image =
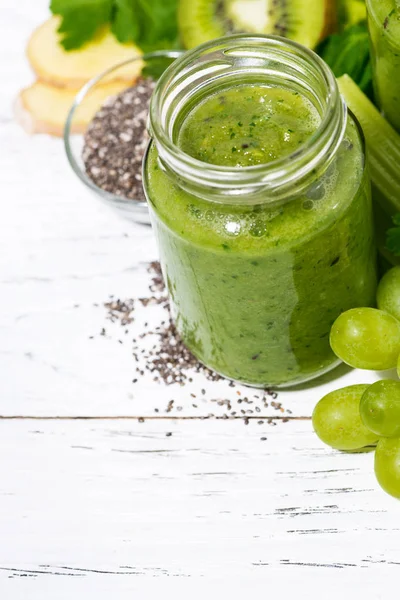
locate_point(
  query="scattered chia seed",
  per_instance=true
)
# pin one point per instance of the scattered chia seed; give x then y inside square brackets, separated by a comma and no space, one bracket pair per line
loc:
[159,351]
[116,140]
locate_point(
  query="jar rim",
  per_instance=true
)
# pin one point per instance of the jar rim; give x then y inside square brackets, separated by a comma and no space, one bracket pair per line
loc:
[252,178]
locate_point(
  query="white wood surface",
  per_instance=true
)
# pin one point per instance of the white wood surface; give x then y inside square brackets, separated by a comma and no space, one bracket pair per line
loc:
[94,503]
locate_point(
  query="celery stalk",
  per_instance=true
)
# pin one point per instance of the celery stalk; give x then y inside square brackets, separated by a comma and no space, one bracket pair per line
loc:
[383,145]
[383,151]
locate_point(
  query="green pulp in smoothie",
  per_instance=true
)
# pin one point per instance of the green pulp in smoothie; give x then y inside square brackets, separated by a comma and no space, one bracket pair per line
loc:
[255,289]
[384,28]
[247,126]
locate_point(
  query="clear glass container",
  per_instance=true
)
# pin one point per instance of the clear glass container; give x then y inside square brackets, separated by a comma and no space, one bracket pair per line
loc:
[384,30]
[116,79]
[260,260]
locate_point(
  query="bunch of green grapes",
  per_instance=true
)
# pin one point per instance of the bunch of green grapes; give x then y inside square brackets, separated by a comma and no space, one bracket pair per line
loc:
[358,416]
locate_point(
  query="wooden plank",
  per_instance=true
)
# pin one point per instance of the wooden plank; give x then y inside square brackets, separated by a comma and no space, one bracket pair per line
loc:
[178,500]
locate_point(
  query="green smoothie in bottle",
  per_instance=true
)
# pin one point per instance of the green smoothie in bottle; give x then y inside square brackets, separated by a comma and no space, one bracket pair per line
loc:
[255,288]
[384,29]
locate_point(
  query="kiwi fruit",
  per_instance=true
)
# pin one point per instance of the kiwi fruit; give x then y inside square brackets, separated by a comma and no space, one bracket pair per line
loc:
[305,21]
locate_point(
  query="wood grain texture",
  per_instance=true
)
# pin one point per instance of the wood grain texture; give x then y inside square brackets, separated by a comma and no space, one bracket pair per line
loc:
[212,504]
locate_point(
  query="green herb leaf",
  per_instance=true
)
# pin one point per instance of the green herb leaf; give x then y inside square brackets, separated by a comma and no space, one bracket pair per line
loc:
[393,237]
[151,24]
[125,25]
[157,23]
[348,53]
[81,19]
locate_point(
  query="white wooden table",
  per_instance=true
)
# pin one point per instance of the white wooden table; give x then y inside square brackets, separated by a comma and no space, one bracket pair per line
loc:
[96,503]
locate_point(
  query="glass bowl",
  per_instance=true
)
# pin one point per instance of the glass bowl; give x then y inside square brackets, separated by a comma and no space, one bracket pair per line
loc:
[113,80]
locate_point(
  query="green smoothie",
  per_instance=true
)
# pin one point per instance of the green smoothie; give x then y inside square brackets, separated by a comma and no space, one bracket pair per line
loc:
[384,28]
[247,126]
[255,289]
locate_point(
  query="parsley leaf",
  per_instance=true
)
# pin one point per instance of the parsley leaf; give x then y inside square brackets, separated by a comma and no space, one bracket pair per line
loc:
[125,26]
[151,24]
[81,19]
[393,237]
[348,53]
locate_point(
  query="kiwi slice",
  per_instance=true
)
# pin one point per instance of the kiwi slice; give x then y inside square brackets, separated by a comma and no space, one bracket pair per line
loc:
[306,22]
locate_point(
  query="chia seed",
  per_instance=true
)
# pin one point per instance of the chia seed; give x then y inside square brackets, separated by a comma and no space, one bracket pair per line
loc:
[169,362]
[116,140]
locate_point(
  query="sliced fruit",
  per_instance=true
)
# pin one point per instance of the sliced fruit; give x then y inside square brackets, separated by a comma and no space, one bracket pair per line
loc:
[56,66]
[383,145]
[43,108]
[304,22]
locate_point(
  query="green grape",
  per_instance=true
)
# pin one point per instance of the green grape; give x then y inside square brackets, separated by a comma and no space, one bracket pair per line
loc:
[380,408]
[388,295]
[387,465]
[366,338]
[337,422]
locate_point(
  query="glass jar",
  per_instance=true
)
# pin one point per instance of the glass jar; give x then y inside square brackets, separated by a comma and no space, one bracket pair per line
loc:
[260,260]
[384,30]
